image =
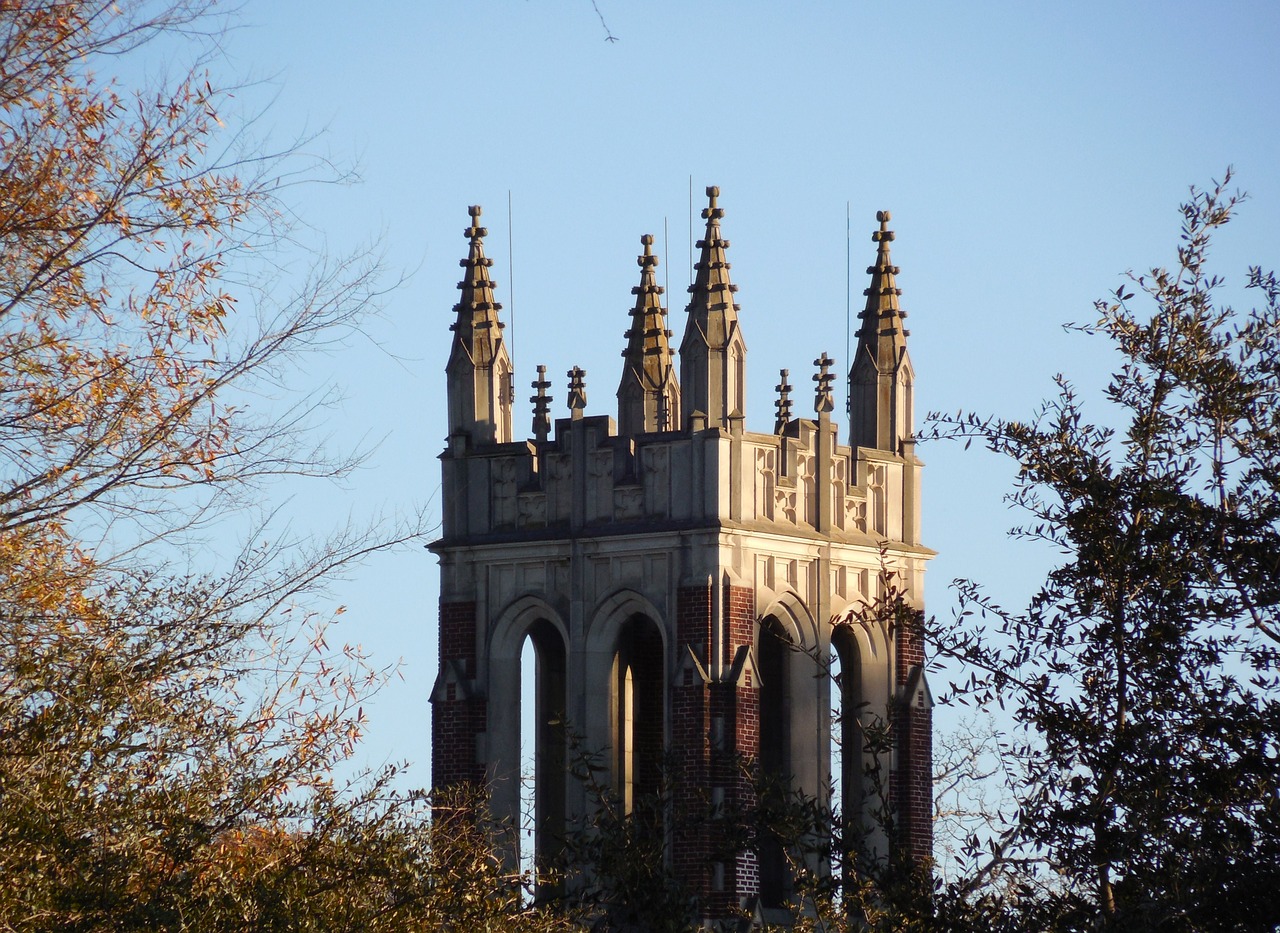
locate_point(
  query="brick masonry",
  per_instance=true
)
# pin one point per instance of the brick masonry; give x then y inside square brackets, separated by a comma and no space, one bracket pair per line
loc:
[690,741]
[715,733]
[911,784]
[457,717]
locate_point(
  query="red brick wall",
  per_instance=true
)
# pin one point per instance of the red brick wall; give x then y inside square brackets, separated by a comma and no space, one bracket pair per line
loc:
[911,784]
[740,614]
[458,633]
[690,726]
[456,718]
[693,619]
[909,642]
[742,719]
[917,802]
[710,769]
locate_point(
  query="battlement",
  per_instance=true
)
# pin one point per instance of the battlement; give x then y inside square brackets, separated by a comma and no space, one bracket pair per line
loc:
[589,479]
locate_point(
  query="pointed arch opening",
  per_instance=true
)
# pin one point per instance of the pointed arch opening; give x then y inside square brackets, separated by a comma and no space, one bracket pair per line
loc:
[774,653]
[848,769]
[637,712]
[737,395]
[542,745]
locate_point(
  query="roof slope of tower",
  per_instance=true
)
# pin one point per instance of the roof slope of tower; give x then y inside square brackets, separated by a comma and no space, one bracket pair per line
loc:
[477,332]
[648,356]
[882,335]
[712,312]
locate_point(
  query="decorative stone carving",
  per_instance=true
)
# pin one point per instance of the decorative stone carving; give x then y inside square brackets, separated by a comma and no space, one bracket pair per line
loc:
[503,489]
[628,502]
[532,509]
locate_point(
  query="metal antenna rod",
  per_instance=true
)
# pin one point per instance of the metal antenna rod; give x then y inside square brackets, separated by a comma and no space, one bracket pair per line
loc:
[511,288]
[690,229]
[666,260]
[848,285]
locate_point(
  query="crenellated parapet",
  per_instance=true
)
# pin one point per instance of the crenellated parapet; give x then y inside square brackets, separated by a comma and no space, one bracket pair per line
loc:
[588,477]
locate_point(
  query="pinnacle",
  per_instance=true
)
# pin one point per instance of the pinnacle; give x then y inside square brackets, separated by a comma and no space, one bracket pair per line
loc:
[883,314]
[477,329]
[712,292]
[476,286]
[647,333]
[648,355]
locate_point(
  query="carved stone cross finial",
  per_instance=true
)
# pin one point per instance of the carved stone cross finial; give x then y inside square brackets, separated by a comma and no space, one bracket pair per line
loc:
[577,392]
[884,233]
[783,404]
[475,230]
[712,210]
[648,259]
[541,405]
[823,401]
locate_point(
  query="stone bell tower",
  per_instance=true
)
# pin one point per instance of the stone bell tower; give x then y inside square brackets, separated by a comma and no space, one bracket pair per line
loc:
[689,586]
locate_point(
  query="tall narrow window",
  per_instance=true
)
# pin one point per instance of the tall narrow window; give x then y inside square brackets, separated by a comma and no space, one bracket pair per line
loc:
[628,742]
[739,380]
[542,745]
[848,774]
[774,665]
[639,724]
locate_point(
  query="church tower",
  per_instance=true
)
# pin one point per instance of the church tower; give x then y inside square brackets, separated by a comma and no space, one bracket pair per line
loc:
[696,594]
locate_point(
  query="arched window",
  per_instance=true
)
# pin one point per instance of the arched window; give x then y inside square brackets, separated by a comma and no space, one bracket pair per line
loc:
[848,767]
[637,712]
[739,377]
[542,744]
[774,666]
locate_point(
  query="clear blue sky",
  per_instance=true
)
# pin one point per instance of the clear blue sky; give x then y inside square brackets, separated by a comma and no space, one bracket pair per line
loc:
[1030,154]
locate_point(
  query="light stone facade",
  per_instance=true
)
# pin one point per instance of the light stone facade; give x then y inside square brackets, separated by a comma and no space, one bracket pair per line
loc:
[679,577]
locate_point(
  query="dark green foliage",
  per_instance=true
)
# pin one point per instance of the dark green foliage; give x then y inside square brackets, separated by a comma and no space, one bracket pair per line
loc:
[1144,671]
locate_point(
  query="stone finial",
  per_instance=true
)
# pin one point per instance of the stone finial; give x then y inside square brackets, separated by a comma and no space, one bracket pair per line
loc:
[476,286]
[475,231]
[577,392]
[541,405]
[783,404]
[822,401]
[648,258]
[884,233]
[883,314]
[712,211]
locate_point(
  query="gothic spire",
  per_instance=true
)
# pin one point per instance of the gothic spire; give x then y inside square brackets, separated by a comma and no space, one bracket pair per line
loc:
[648,396]
[881,377]
[882,333]
[713,353]
[479,367]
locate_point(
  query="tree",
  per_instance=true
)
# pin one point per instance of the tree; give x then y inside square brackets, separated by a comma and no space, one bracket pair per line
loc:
[170,731]
[1143,674]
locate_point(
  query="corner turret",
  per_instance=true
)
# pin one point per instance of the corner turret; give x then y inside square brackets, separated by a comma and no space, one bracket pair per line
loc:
[881,379]
[713,355]
[479,368]
[649,395]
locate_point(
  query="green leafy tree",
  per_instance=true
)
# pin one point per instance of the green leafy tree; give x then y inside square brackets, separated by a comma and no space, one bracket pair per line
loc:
[1143,674]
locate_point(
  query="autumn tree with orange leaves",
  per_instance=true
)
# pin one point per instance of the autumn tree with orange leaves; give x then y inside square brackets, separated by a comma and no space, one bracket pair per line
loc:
[169,731]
